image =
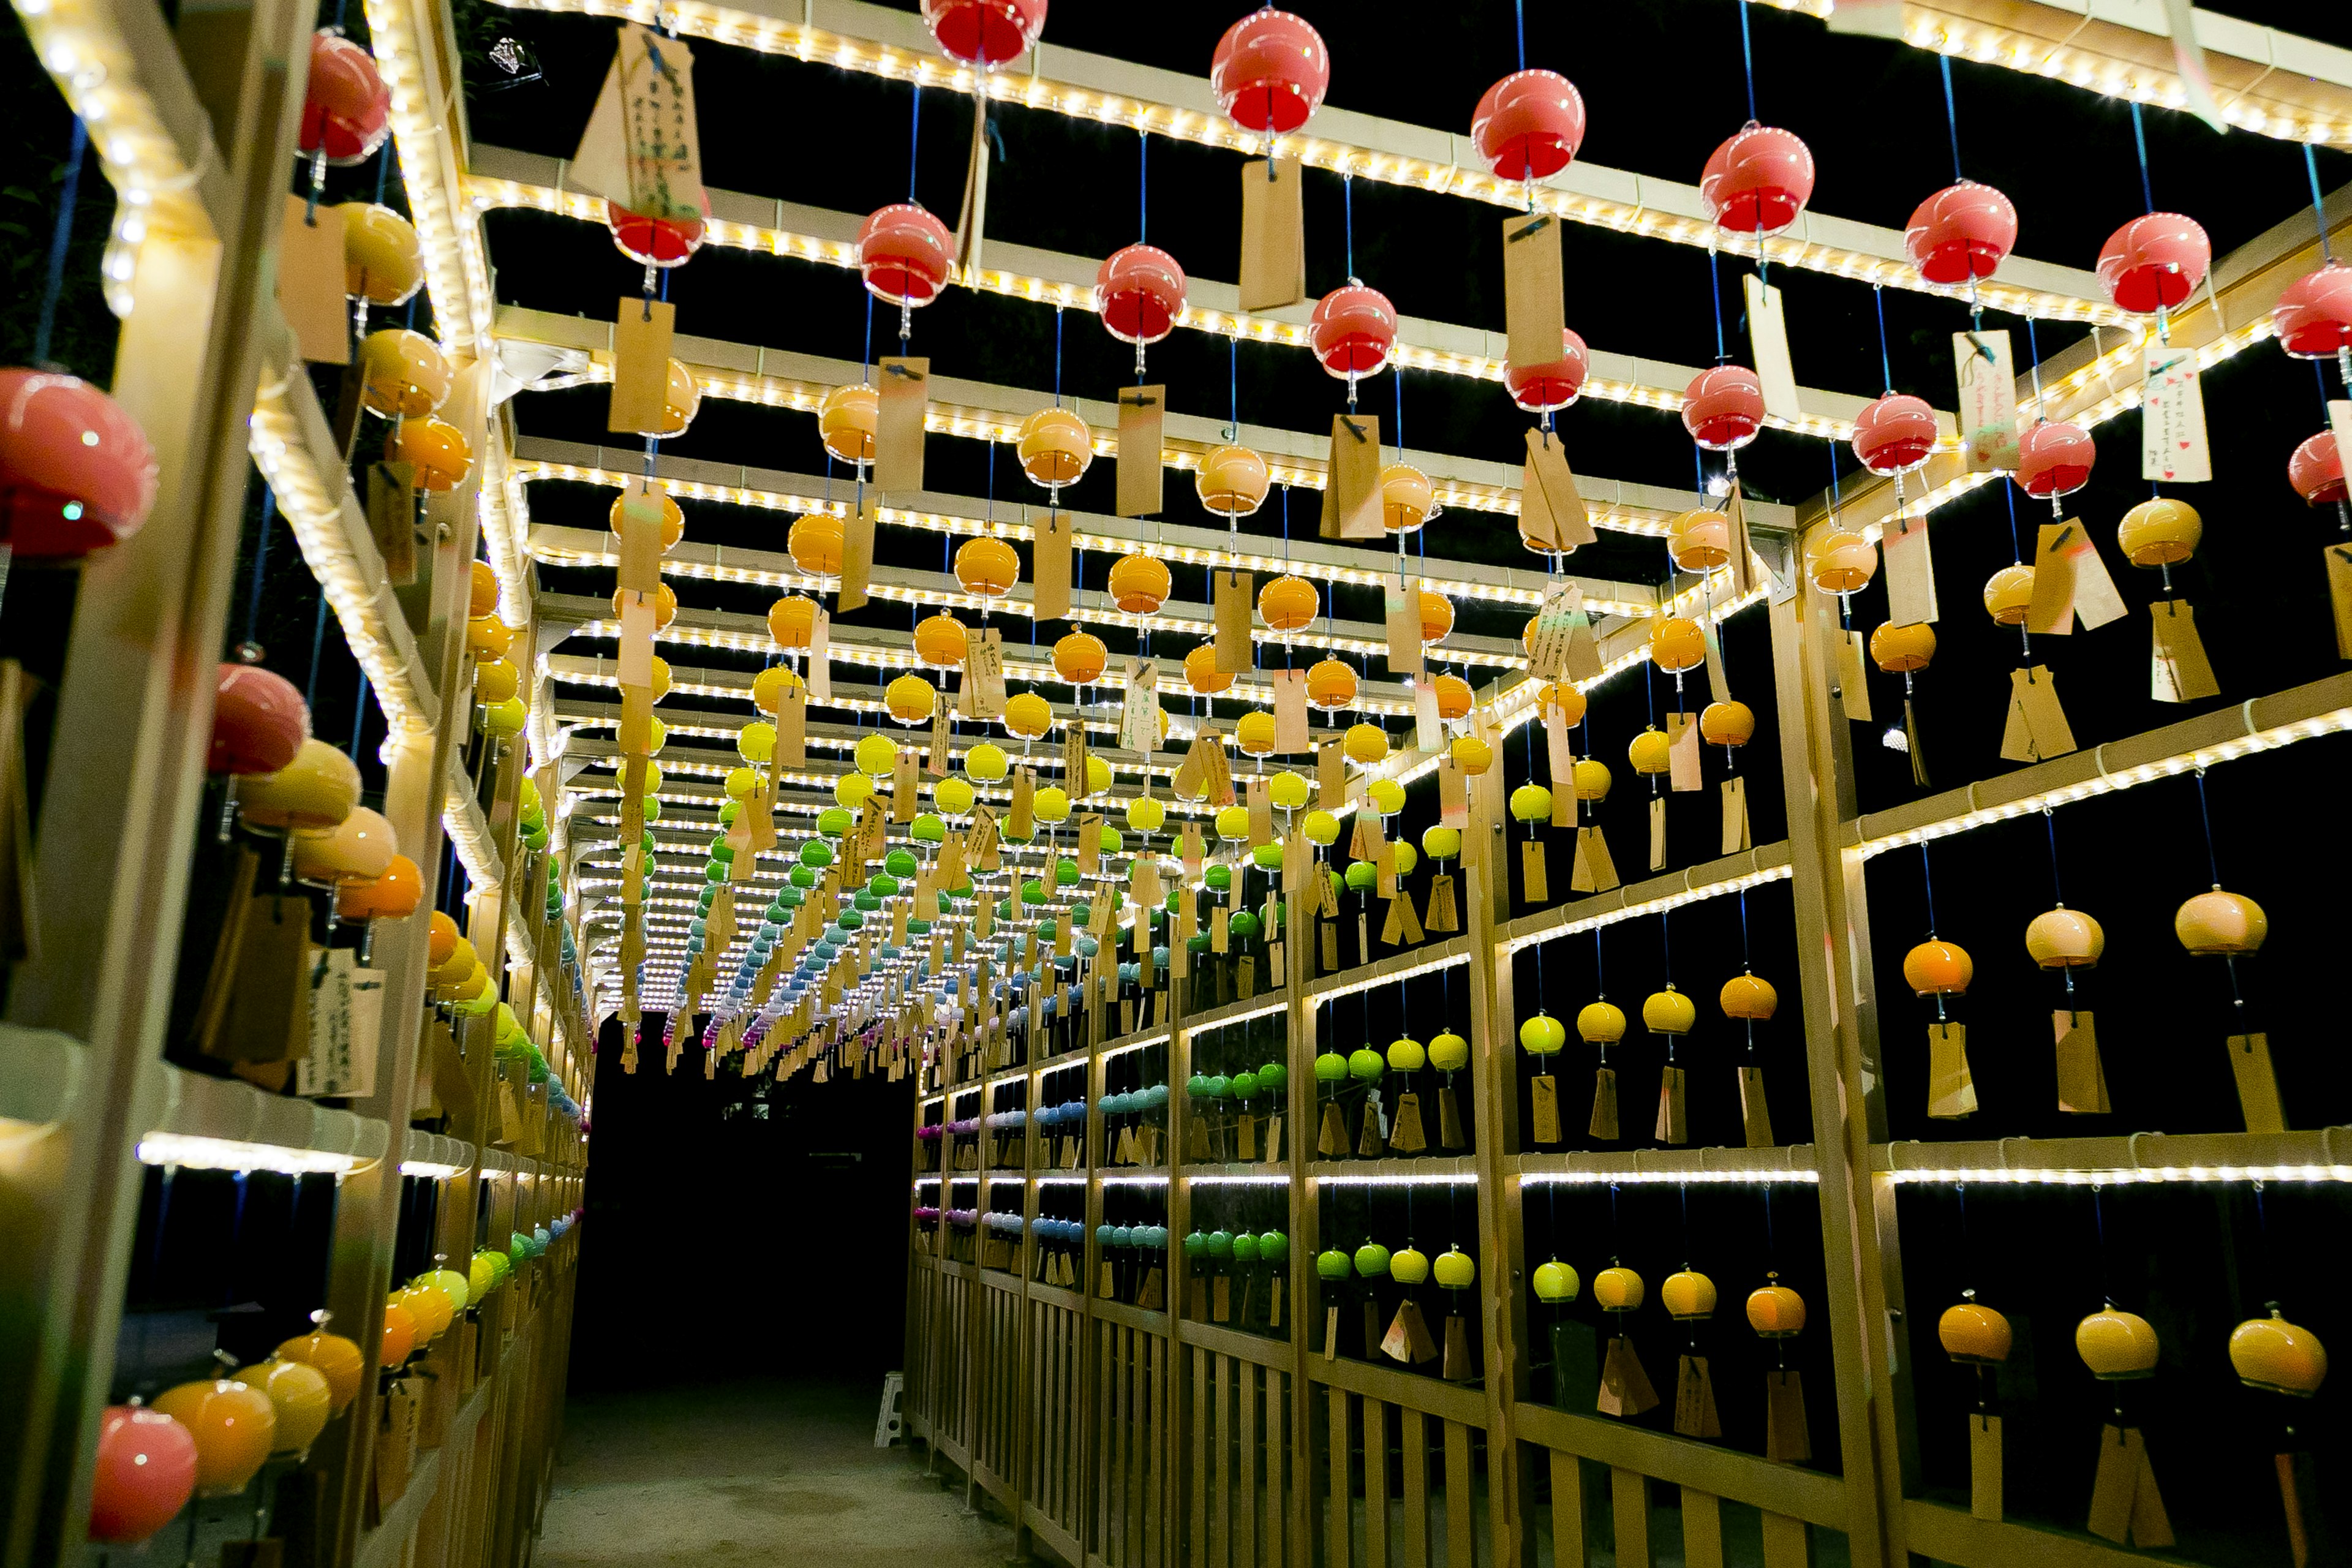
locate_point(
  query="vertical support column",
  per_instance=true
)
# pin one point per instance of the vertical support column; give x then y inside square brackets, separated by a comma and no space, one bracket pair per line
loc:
[1842,1072]
[134,708]
[1486,872]
[1305,1238]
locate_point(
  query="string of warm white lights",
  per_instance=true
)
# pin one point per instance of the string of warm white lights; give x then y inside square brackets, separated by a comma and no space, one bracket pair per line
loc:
[456,271]
[1658,209]
[490,194]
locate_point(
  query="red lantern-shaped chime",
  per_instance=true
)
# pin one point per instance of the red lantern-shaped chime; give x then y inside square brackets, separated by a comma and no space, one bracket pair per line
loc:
[2054,459]
[1270,72]
[1548,388]
[1139,293]
[2313,319]
[1529,125]
[984,33]
[1758,181]
[656,242]
[1353,331]
[76,471]
[1961,233]
[1892,437]
[2154,262]
[906,256]
[1722,408]
[346,106]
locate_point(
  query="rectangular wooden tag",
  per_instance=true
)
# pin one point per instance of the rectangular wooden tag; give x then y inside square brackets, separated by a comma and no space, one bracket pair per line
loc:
[1235,653]
[1853,684]
[2172,447]
[1138,714]
[904,388]
[640,355]
[1768,336]
[391,518]
[1050,555]
[2258,1095]
[2338,561]
[1141,411]
[1910,571]
[1735,814]
[983,693]
[1986,379]
[639,571]
[2070,582]
[1021,821]
[1331,768]
[1273,234]
[1682,752]
[2082,1081]
[1951,1092]
[1352,480]
[310,282]
[1291,731]
[856,554]
[1556,620]
[1261,812]
[2037,729]
[1592,848]
[1402,603]
[1657,833]
[1546,475]
[1533,312]
[1535,881]
[2177,668]
[903,787]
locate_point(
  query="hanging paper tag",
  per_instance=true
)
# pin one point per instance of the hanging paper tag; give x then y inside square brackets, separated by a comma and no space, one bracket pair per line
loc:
[641,356]
[640,149]
[1429,732]
[1556,622]
[1235,654]
[1331,768]
[1682,771]
[1657,833]
[1141,410]
[2177,670]
[1951,1092]
[1274,235]
[1560,754]
[1533,311]
[1403,607]
[2070,581]
[983,694]
[311,276]
[1261,812]
[1735,816]
[2338,560]
[2037,727]
[2172,447]
[904,388]
[1592,855]
[1768,336]
[1743,554]
[819,657]
[1987,408]
[1050,568]
[1453,794]
[1910,571]
[903,786]
[1853,686]
[856,553]
[1291,733]
[1215,772]
[1352,485]
[936,757]
[1139,714]
[1552,515]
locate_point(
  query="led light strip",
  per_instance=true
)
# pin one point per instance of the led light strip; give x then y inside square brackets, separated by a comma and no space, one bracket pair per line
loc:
[315,514]
[456,272]
[2119,1178]
[193,1153]
[82,47]
[1433,1180]
[489,194]
[2334,723]
[772,36]
[1503,502]
[1986,43]
[1665,1178]
[1658,905]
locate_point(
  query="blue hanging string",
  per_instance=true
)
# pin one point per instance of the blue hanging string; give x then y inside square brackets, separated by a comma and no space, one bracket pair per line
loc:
[914,139]
[359,717]
[1348,218]
[1058,356]
[1748,60]
[1234,381]
[869,338]
[260,561]
[59,238]
[318,641]
[1396,373]
[2205,816]
[1951,115]
[382,169]
[2049,822]
[1520,18]
[2318,207]
[1885,366]
[2140,144]
[1142,184]
[1715,280]
[1927,882]
[2016,551]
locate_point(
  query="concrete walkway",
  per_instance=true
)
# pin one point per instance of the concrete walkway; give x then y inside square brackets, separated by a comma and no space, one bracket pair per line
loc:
[785,1475]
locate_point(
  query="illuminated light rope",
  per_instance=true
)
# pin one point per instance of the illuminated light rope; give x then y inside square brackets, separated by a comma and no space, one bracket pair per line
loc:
[814,45]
